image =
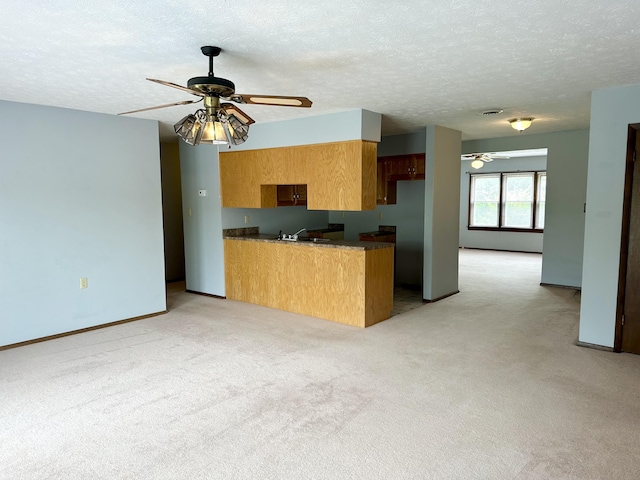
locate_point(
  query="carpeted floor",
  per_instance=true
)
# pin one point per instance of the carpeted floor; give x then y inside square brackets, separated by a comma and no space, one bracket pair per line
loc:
[486,384]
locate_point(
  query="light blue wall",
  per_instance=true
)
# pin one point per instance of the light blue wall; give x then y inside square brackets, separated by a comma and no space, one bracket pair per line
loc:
[334,127]
[80,196]
[566,192]
[202,219]
[204,253]
[441,212]
[514,241]
[403,144]
[274,220]
[612,110]
[407,215]
[408,218]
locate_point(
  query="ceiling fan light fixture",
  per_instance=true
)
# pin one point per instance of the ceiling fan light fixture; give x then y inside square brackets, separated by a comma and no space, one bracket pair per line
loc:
[212,131]
[521,123]
[237,130]
[188,128]
[477,164]
[217,128]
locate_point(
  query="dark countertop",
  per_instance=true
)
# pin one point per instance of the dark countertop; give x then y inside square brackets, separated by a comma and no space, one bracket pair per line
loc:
[377,233]
[322,244]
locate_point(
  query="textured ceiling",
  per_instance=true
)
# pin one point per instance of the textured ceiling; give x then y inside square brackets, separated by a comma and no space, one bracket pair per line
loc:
[417,62]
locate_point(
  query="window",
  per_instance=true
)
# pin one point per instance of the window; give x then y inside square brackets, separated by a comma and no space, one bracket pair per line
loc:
[508,201]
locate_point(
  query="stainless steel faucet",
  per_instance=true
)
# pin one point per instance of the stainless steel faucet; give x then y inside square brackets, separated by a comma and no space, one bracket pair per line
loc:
[291,238]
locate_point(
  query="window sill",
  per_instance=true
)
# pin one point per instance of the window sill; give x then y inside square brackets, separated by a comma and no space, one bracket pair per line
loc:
[506,229]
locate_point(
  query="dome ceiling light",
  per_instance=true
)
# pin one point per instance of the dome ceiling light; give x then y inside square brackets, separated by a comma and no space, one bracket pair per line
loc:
[521,123]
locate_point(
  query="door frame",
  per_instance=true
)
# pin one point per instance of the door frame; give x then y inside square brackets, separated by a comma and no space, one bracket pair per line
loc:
[632,136]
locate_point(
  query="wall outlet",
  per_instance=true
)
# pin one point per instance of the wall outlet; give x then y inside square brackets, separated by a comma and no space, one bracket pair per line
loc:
[380,215]
[84,282]
[189,212]
[246,219]
[341,214]
[202,193]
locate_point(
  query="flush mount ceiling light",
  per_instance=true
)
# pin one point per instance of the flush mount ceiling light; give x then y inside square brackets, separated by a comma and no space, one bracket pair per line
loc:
[521,123]
[218,123]
[477,164]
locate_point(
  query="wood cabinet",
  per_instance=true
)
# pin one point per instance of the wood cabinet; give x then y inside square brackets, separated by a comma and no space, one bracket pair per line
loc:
[389,237]
[347,285]
[407,167]
[338,175]
[393,168]
[386,192]
[290,195]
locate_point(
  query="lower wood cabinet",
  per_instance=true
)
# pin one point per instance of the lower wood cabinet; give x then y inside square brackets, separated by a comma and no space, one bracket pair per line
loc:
[351,285]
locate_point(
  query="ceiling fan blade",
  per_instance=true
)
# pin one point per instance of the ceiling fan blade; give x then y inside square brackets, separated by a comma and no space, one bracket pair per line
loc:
[174,85]
[231,109]
[185,102]
[278,100]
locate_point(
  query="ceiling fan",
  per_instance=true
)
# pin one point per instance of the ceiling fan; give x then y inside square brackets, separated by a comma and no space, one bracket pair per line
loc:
[479,159]
[218,123]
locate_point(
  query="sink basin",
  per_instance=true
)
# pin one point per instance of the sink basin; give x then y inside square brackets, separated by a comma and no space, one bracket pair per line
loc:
[313,239]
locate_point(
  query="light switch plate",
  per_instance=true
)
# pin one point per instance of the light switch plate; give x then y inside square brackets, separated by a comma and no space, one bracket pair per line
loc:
[202,193]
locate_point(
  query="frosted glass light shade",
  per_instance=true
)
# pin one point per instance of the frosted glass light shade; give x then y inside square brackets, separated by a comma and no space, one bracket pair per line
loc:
[521,123]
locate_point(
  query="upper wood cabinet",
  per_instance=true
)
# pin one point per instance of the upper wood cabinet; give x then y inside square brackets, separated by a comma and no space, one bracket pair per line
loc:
[386,191]
[393,168]
[406,167]
[338,175]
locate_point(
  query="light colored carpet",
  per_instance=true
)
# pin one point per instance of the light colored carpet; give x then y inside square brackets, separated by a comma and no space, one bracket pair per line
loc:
[486,384]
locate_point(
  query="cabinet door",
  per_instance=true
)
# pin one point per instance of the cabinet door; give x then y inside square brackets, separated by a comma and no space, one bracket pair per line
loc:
[289,195]
[401,167]
[285,195]
[381,188]
[418,161]
[386,188]
[300,194]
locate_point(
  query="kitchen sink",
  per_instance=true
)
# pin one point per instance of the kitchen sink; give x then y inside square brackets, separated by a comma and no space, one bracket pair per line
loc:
[313,239]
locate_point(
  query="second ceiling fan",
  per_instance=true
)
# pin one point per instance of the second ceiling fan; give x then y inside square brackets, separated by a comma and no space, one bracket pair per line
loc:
[218,123]
[479,159]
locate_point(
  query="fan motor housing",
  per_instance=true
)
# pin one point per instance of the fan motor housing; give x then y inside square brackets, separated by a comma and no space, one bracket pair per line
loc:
[212,86]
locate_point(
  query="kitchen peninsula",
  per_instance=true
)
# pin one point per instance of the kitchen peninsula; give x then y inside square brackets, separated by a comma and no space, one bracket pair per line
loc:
[337,280]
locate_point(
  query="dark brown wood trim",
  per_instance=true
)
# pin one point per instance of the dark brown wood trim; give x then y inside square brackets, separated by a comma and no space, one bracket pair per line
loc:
[424,300]
[594,346]
[496,250]
[511,171]
[501,203]
[624,235]
[542,284]
[469,202]
[507,229]
[81,330]
[206,294]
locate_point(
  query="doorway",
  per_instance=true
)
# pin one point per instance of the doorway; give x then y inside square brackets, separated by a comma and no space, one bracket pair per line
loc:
[627,334]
